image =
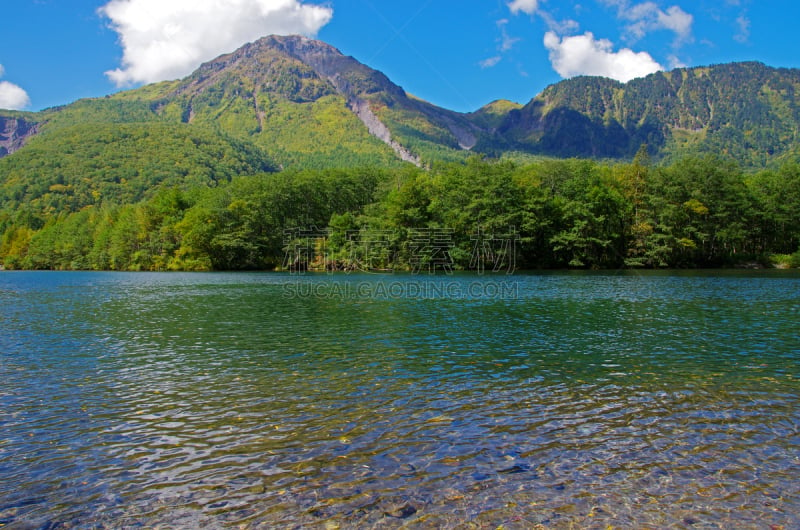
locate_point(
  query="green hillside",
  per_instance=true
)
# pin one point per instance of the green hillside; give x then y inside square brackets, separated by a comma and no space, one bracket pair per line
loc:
[746,111]
[93,163]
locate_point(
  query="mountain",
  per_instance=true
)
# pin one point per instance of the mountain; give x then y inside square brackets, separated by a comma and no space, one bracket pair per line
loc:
[301,101]
[293,102]
[278,102]
[306,103]
[747,111]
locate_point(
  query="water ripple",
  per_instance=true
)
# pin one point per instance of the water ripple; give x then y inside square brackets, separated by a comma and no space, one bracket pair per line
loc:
[191,401]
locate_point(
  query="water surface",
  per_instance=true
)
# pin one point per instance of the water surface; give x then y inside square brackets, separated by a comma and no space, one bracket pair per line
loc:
[267,400]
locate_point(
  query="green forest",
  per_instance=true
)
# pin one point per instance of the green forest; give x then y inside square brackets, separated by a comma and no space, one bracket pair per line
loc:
[576,213]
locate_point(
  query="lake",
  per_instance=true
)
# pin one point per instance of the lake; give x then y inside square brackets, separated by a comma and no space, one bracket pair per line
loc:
[553,400]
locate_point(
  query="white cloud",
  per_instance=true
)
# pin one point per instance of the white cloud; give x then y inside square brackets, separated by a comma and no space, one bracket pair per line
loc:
[12,97]
[524,6]
[676,62]
[490,62]
[504,44]
[559,26]
[583,55]
[676,20]
[531,7]
[168,39]
[506,41]
[743,36]
[647,17]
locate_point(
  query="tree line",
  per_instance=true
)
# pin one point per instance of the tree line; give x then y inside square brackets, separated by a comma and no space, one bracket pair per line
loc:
[696,212]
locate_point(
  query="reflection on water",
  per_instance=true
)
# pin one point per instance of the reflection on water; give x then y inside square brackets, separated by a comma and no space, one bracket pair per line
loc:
[578,400]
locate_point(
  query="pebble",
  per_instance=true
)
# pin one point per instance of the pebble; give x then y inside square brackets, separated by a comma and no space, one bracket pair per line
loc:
[402,512]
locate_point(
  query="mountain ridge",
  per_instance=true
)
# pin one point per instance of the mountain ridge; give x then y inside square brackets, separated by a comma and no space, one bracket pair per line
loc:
[308,105]
[722,103]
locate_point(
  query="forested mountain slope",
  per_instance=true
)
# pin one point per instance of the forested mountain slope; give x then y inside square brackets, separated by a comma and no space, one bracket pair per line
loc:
[306,105]
[746,111]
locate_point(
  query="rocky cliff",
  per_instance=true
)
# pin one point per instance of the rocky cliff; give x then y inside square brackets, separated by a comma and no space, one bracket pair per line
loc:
[14,132]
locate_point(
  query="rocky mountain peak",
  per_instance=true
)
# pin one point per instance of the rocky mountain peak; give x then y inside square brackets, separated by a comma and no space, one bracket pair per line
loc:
[349,77]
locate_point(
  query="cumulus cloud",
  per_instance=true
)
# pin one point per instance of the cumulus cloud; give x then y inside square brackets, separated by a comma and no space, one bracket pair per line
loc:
[12,97]
[585,55]
[168,39]
[523,6]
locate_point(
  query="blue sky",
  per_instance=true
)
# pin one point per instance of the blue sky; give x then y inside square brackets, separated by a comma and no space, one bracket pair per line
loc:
[458,54]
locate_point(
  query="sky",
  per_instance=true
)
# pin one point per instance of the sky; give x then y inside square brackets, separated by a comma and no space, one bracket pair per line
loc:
[458,54]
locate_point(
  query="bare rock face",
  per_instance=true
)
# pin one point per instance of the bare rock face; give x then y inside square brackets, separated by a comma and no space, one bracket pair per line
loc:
[14,132]
[378,129]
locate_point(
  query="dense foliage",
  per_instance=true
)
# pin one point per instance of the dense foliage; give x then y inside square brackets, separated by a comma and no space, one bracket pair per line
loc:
[570,213]
[235,226]
[121,163]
